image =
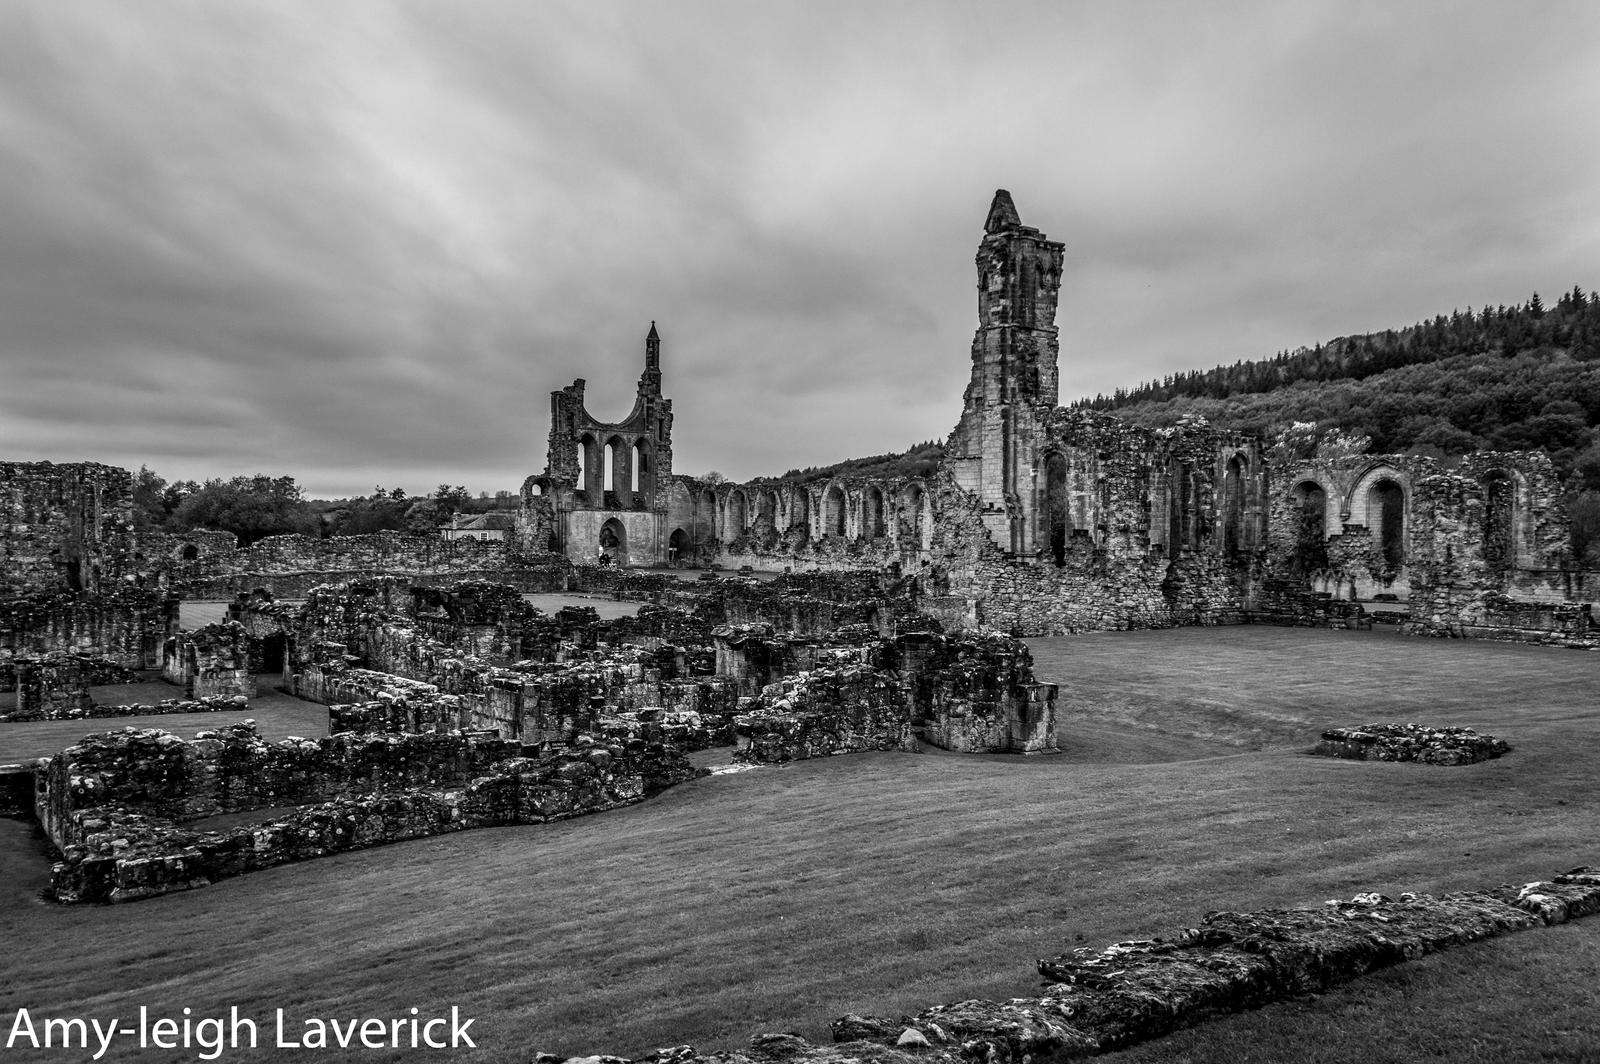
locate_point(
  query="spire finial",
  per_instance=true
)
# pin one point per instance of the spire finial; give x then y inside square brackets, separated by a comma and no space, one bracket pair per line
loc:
[1002,213]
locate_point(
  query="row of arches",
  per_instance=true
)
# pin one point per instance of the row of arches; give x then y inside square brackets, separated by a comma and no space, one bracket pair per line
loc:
[1179,506]
[869,512]
[619,470]
[1380,501]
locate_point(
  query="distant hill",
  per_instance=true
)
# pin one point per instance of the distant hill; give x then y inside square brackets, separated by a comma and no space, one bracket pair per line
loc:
[918,460]
[1503,378]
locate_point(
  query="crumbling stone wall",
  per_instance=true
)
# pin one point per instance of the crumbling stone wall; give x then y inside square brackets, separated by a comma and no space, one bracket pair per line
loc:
[291,565]
[54,687]
[1411,742]
[370,789]
[210,661]
[232,770]
[824,712]
[127,625]
[976,694]
[65,528]
[1100,1002]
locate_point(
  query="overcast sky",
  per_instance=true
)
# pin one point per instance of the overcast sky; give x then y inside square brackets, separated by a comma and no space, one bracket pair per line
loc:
[361,243]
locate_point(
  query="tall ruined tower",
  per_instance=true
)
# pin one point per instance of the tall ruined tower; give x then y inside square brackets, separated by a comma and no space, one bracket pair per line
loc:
[609,480]
[994,450]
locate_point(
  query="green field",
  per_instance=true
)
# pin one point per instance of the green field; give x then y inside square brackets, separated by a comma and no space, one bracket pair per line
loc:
[780,898]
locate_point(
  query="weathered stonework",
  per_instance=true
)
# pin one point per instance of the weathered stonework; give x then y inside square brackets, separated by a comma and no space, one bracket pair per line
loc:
[210,661]
[54,687]
[824,712]
[1411,742]
[65,527]
[113,803]
[1100,1002]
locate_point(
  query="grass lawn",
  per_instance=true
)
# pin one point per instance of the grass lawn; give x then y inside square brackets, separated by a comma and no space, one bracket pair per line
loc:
[780,898]
[276,714]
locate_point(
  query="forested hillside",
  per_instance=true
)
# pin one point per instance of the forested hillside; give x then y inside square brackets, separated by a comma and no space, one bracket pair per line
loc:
[1504,378]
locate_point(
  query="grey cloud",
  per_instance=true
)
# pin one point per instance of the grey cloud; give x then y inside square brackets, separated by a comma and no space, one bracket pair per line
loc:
[362,243]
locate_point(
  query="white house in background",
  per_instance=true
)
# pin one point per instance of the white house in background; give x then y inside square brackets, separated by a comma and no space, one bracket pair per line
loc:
[496,526]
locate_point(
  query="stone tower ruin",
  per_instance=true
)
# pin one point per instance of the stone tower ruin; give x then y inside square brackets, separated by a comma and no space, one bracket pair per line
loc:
[994,450]
[608,481]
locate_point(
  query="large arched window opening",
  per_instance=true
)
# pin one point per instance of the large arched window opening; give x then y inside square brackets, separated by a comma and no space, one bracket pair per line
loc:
[736,522]
[609,480]
[585,464]
[833,514]
[1310,515]
[1386,507]
[1233,506]
[872,526]
[915,531]
[1499,516]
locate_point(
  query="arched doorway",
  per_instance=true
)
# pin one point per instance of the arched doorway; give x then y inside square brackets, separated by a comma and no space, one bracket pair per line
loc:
[677,547]
[613,548]
[1387,506]
[1310,514]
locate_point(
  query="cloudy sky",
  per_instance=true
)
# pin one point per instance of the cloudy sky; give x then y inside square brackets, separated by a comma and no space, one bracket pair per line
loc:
[360,243]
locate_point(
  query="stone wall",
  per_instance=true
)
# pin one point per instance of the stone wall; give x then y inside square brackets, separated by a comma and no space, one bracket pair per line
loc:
[1411,742]
[232,770]
[127,626]
[210,661]
[54,687]
[371,790]
[291,565]
[976,694]
[65,527]
[824,712]
[1102,1001]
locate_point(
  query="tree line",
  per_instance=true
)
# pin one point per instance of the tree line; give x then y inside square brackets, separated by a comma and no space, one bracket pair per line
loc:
[253,507]
[1513,378]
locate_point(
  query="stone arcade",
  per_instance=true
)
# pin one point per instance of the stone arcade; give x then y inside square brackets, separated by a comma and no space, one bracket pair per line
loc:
[1045,520]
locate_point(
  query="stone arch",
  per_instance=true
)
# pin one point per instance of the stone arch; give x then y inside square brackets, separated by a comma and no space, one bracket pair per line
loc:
[1183,513]
[800,508]
[1386,508]
[704,520]
[1501,546]
[1309,518]
[616,469]
[833,510]
[642,479]
[1057,507]
[735,514]
[588,476]
[1378,502]
[916,523]
[872,524]
[613,543]
[767,505]
[1233,492]
[679,547]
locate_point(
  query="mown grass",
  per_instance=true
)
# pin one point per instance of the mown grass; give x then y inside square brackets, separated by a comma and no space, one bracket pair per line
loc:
[780,898]
[277,716]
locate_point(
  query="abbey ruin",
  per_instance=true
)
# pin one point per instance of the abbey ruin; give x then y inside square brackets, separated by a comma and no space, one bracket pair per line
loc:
[769,622]
[1046,520]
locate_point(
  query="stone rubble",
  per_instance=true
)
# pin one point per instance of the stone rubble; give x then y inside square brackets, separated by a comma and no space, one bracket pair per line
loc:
[1097,1002]
[1411,742]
